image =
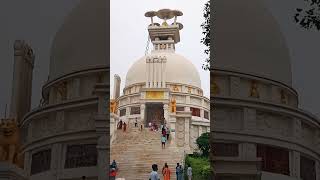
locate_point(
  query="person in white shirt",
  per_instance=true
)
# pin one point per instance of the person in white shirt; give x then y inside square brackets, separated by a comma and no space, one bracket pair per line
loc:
[189,172]
[154,174]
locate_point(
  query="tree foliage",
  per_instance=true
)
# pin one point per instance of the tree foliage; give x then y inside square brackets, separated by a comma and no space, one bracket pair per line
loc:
[206,33]
[203,144]
[200,167]
[309,18]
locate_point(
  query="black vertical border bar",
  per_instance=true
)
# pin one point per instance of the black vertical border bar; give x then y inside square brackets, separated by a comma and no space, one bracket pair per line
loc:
[108,45]
[212,53]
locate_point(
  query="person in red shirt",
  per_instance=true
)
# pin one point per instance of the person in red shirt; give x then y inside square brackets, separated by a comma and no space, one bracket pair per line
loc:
[113,174]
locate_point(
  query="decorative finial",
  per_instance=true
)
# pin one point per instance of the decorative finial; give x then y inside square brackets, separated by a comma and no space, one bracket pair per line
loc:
[165,14]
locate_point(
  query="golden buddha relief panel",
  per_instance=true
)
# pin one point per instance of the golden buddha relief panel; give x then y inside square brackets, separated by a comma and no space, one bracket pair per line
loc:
[253,87]
[176,88]
[271,124]
[263,91]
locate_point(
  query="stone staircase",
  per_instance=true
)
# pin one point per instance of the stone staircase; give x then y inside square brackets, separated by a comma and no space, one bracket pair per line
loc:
[135,152]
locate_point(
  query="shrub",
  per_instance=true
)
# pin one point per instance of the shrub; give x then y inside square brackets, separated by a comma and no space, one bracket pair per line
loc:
[200,167]
[203,144]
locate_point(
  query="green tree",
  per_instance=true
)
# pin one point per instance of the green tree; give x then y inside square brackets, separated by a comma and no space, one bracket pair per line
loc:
[309,18]
[203,144]
[206,33]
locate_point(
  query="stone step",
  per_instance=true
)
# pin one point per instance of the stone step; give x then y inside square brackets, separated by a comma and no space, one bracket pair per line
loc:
[136,151]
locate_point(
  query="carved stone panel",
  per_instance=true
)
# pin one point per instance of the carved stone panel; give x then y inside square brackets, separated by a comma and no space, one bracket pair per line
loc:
[39,128]
[59,121]
[180,132]
[273,124]
[249,121]
[194,135]
[134,99]
[227,119]
[80,120]
[235,86]
[84,155]
[296,128]
[195,101]
[307,133]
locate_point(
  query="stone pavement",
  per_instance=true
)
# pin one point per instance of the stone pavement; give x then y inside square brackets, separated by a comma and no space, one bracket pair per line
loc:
[135,152]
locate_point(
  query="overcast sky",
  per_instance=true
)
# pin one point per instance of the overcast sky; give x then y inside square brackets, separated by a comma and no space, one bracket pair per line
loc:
[129,35]
[37,21]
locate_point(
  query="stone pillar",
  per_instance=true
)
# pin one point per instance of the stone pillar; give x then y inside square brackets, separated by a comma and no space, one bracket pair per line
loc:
[187,109]
[234,86]
[76,87]
[317,140]
[296,129]
[188,99]
[249,119]
[52,96]
[248,151]
[116,86]
[275,94]
[27,161]
[159,73]
[294,164]
[22,80]
[148,72]
[155,79]
[187,121]
[127,112]
[102,125]
[200,130]
[164,61]
[166,112]
[103,158]
[142,112]
[317,170]
[56,159]
[202,113]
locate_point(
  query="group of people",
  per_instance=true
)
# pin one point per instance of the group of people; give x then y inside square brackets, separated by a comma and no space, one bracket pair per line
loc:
[165,134]
[166,172]
[122,125]
[153,126]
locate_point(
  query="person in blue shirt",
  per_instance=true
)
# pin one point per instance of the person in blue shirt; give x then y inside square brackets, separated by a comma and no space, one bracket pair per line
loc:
[163,141]
[154,174]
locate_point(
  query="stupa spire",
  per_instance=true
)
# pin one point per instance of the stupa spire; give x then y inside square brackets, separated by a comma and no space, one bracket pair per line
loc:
[164,36]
